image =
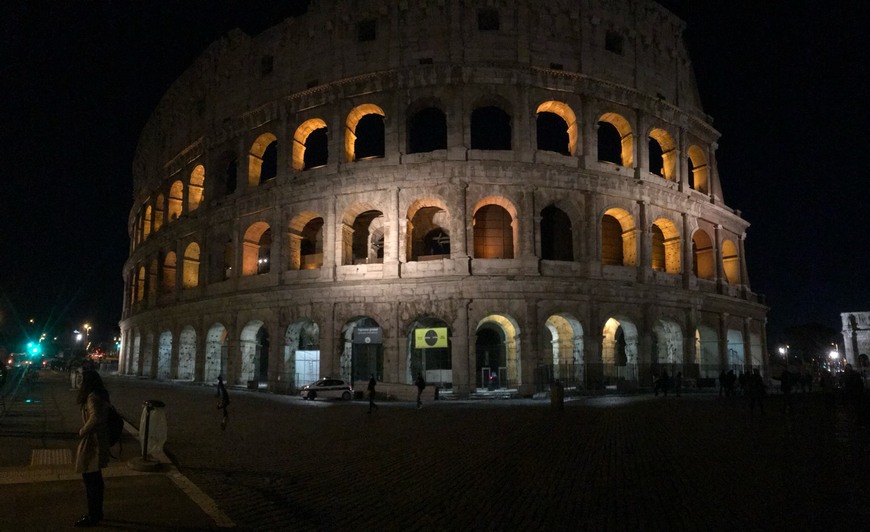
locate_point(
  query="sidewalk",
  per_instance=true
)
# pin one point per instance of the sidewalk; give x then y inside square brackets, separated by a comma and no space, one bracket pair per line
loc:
[41,491]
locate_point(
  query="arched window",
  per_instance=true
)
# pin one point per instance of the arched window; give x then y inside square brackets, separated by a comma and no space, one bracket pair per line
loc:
[730,262]
[665,246]
[311,245]
[367,238]
[169,268]
[702,255]
[176,192]
[227,254]
[146,222]
[257,251]
[490,129]
[427,130]
[310,145]
[493,233]
[220,258]
[552,133]
[152,280]
[618,238]
[662,154]
[158,212]
[195,188]
[557,240]
[140,283]
[698,173]
[611,241]
[428,235]
[615,140]
[369,137]
[263,159]
[190,273]
[557,128]
[231,175]
[364,133]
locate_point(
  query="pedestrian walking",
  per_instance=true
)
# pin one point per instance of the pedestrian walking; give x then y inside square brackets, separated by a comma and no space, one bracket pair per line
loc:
[756,390]
[663,383]
[372,383]
[93,451]
[223,401]
[421,385]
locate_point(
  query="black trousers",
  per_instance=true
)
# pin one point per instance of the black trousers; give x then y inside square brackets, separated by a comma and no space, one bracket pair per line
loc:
[94,487]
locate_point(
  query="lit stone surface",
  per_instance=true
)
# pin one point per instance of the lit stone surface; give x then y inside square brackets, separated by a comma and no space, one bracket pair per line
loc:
[537,177]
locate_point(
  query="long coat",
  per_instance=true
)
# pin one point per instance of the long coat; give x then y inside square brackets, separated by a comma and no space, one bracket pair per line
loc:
[93,450]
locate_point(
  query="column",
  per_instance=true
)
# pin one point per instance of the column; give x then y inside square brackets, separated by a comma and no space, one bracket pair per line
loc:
[641,149]
[717,256]
[644,267]
[391,238]
[686,256]
[723,340]
[462,355]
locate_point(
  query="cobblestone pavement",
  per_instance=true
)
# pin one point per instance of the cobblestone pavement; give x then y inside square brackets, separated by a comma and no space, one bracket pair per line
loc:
[607,463]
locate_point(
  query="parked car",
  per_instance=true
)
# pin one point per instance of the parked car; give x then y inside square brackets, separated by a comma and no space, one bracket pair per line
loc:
[329,387]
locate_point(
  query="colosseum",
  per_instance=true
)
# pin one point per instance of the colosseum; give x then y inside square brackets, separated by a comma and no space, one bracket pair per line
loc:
[495,194]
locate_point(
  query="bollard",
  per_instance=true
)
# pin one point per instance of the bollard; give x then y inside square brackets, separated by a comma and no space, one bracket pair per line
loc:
[75,377]
[152,435]
[152,427]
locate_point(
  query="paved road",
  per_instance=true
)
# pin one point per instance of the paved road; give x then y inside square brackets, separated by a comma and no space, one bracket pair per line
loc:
[607,463]
[695,462]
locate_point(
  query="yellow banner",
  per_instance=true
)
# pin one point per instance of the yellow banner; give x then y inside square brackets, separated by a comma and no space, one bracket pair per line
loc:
[430,338]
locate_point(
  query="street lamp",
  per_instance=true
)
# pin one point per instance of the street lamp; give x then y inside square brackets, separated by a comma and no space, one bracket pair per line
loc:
[87,329]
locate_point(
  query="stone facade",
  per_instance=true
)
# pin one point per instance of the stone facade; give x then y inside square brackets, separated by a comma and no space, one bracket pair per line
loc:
[534,184]
[856,338]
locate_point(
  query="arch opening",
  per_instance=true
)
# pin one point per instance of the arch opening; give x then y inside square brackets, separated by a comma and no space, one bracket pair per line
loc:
[493,233]
[429,352]
[490,129]
[557,237]
[216,354]
[429,236]
[497,349]
[363,353]
[703,264]
[254,350]
[427,130]
[301,361]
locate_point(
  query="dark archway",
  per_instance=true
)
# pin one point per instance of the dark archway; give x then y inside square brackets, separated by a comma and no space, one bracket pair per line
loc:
[557,240]
[552,133]
[490,129]
[369,141]
[427,131]
[609,143]
[316,149]
[269,168]
[491,356]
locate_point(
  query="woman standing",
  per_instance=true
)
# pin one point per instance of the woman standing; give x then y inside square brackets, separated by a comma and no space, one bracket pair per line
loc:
[93,450]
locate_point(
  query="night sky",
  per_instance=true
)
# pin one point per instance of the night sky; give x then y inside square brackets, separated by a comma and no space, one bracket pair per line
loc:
[785,84]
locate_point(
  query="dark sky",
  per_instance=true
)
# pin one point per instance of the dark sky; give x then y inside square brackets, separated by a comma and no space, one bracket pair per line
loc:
[785,83]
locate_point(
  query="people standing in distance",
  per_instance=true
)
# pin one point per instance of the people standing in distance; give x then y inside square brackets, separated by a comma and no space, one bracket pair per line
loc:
[421,385]
[372,383]
[755,388]
[93,451]
[223,401]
